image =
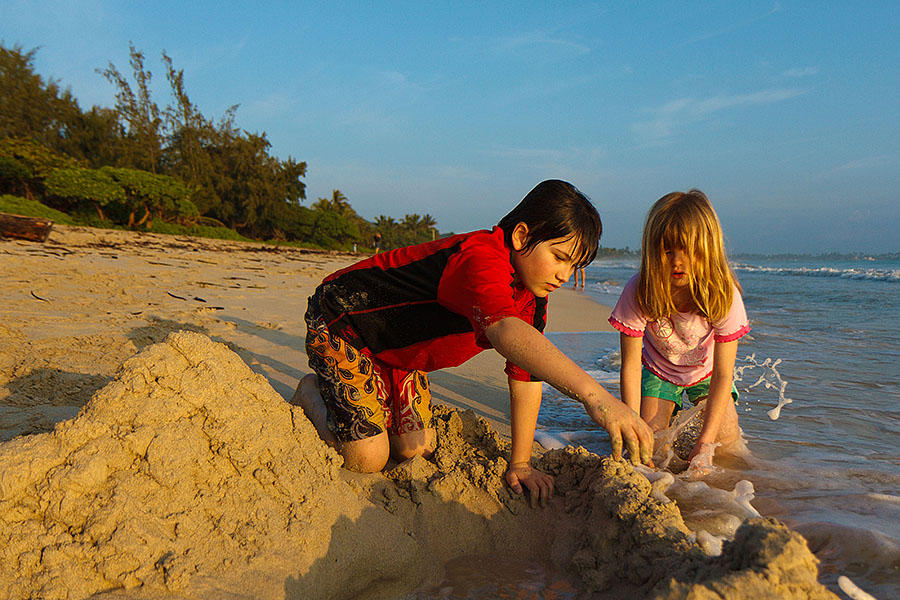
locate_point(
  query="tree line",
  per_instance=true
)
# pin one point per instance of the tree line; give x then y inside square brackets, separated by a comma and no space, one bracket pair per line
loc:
[167,168]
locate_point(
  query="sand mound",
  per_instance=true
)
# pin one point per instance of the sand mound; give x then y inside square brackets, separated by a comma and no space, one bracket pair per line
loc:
[188,476]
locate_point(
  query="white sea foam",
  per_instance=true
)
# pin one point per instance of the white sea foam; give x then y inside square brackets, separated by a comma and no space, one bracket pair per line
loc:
[888,275]
[852,590]
[709,543]
[885,498]
[769,378]
[550,441]
[604,377]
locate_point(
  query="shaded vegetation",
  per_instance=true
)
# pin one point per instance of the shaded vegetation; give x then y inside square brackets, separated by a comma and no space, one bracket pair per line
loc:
[15,205]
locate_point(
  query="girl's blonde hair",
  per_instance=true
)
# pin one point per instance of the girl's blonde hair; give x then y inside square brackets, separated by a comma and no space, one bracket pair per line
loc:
[685,221]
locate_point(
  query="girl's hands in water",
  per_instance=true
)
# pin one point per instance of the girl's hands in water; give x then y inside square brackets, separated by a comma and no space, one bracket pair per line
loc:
[539,484]
[701,459]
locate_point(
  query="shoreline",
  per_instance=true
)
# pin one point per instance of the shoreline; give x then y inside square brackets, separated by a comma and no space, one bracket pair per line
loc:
[161,459]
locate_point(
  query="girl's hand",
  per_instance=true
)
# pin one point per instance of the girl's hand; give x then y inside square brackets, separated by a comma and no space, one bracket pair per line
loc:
[701,459]
[539,484]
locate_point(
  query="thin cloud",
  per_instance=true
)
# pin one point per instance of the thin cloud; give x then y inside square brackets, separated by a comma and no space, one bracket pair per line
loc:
[539,39]
[673,116]
[397,82]
[271,106]
[868,162]
[532,156]
[776,8]
[801,72]
[544,44]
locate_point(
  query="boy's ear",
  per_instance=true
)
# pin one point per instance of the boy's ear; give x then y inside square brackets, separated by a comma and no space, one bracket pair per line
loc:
[519,236]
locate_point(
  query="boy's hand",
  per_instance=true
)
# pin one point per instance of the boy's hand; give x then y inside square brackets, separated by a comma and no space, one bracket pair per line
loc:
[623,425]
[539,484]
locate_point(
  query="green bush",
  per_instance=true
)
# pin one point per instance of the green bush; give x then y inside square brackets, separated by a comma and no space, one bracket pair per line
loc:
[167,228]
[76,186]
[218,233]
[159,196]
[12,168]
[32,208]
[204,231]
[37,159]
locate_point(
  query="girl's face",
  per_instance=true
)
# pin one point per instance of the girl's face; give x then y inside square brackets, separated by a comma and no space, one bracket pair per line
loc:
[679,267]
[547,265]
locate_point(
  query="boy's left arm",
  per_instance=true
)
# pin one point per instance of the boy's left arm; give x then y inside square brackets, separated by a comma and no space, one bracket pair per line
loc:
[724,355]
[525,402]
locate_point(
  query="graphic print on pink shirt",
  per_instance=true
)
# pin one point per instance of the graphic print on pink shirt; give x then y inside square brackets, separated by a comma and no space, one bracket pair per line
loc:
[679,341]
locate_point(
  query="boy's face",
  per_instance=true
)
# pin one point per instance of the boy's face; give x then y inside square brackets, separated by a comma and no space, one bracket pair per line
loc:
[547,266]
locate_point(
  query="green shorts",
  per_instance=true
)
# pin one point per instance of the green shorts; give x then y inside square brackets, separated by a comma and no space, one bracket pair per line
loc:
[655,387]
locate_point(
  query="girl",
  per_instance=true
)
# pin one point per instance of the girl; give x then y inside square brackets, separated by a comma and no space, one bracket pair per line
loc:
[681,317]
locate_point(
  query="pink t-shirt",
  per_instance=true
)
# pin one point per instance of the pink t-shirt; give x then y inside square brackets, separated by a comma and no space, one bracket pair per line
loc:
[678,348]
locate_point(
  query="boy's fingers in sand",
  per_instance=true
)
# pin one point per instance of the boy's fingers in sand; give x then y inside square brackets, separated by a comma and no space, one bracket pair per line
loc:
[628,430]
[637,439]
[645,439]
[615,441]
[539,484]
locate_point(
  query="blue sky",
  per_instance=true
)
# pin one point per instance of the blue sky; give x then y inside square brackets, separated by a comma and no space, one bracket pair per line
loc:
[784,113]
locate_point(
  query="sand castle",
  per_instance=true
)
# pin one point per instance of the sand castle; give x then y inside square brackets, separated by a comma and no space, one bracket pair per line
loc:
[188,476]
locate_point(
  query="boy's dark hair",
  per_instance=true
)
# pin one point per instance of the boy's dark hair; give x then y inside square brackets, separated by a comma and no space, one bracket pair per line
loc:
[556,209]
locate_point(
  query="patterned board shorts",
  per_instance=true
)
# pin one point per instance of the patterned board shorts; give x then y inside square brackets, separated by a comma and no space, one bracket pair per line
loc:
[364,397]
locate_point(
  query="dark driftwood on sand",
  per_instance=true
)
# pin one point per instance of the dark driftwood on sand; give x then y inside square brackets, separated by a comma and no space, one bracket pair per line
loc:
[26,228]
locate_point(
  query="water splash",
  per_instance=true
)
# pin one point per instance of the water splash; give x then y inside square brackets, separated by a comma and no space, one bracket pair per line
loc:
[770,378]
[702,464]
[852,590]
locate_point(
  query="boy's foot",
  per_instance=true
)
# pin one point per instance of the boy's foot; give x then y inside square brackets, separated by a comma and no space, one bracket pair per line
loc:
[308,398]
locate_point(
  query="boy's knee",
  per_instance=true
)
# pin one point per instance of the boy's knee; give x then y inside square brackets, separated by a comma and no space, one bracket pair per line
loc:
[366,456]
[415,443]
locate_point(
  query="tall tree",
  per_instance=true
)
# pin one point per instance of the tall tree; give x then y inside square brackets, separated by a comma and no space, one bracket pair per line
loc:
[31,107]
[338,204]
[138,110]
[189,131]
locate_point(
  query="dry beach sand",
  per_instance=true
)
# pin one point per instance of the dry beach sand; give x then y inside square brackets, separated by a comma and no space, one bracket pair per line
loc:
[147,450]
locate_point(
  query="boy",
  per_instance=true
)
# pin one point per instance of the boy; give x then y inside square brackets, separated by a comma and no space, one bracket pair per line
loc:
[375,328]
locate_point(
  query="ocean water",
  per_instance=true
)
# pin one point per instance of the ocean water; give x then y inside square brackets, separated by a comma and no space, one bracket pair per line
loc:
[823,357]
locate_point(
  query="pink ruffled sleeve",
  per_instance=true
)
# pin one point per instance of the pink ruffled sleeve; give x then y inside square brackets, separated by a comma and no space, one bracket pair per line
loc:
[735,325]
[626,316]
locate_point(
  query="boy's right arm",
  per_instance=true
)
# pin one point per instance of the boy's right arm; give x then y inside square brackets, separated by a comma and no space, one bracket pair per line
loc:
[526,347]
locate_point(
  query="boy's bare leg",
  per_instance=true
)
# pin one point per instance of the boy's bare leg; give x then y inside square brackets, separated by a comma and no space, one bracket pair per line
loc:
[407,445]
[366,456]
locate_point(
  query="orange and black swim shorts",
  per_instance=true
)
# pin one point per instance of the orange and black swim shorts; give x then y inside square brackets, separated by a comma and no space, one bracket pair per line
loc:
[364,397]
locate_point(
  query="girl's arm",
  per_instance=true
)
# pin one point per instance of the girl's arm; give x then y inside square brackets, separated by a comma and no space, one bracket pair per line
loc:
[724,354]
[525,346]
[630,371]
[524,404]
